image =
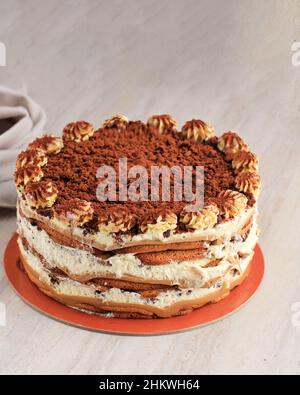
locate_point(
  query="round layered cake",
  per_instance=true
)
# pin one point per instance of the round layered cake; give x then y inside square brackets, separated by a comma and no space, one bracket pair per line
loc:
[85,243]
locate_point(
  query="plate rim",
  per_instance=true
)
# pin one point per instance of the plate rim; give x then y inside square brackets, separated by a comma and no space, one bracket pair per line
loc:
[12,245]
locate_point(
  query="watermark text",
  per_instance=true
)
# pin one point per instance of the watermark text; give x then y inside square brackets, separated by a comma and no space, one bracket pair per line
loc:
[296,53]
[155,183]
[296,314]
[2,54]
[2,314]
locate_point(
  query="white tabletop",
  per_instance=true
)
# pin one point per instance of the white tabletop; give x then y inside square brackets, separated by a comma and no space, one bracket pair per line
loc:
[227,64]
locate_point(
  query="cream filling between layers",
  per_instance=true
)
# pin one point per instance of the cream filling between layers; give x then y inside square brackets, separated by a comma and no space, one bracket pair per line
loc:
[70,287]
[107,241]
[79,263]
[231,248]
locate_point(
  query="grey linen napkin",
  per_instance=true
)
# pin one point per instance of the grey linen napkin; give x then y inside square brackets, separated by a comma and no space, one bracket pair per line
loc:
[21,121]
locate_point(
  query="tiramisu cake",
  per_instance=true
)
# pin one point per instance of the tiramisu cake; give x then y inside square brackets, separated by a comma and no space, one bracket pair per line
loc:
[147,258]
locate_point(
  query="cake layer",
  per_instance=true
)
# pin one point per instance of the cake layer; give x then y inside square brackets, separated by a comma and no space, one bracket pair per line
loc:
[166,304]
[151,254]
[109,242]
[83,266]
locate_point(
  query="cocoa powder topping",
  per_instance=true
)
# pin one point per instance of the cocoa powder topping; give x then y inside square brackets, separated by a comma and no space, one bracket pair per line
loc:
[74,170]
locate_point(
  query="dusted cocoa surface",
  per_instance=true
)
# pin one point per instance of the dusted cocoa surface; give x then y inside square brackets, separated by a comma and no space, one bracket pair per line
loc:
[74,169]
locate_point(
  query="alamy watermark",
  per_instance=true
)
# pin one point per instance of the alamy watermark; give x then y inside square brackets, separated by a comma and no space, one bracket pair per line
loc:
[154,183]
[296,53]
[2,54]
[2,314]
[296,314]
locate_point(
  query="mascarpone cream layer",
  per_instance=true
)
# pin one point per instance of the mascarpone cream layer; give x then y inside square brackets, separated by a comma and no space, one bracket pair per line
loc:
[70,287]
[78,263]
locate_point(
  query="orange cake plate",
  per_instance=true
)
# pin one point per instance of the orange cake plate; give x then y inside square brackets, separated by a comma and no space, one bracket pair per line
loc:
[200,317]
